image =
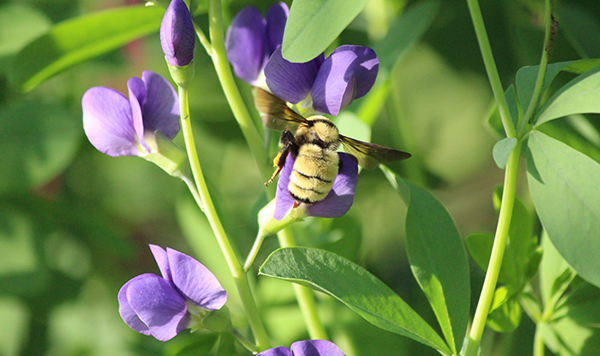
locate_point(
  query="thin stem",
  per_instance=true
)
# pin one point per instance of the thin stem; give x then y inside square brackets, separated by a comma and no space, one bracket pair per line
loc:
[493,270]
[254,250]
[304,295]
[240,111]
[238,107]
[194,191]
[539,82]
[490,67]
[538,342]
[235,268]
[244,341]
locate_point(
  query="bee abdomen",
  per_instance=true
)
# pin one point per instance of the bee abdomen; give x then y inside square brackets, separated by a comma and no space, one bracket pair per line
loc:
[313,174]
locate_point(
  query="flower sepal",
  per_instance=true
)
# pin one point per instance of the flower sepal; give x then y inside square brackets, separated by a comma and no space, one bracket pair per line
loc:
[269,225]
[165,154]
[182,76]
[218,321]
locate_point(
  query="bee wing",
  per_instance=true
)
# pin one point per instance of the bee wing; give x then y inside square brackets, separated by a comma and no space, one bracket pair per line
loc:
[369,155]
[274,112]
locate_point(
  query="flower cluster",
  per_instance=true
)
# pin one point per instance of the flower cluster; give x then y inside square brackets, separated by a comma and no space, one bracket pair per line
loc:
[180,299]
[327,84]
[187,295]
[251,39]
[118,126]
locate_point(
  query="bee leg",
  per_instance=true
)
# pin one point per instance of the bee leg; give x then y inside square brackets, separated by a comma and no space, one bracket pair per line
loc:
[277,162]
[296,204]
[289,146]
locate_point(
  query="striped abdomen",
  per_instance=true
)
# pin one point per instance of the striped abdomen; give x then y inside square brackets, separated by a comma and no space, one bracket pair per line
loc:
[313,174]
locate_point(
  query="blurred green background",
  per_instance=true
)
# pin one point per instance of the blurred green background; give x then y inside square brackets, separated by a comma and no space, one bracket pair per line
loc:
[75,224]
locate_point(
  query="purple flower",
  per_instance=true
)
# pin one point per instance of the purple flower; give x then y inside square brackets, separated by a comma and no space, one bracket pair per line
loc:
[347,74]
[251,39]
[306,348]
[336,203]
[177,36]
[118,126]
[164,306]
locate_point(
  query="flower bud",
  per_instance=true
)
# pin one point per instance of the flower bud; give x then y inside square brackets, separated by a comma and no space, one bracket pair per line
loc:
[177,36]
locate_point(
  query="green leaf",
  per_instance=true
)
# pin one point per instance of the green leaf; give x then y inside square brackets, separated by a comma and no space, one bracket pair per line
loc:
[313,24]
[405,31]
[506,312]
[565,190]
[38,141]
[581,95]
[583,305]
[502,150]
[439,263]
[79,39]
[354,286]
[568,338]
[526,76]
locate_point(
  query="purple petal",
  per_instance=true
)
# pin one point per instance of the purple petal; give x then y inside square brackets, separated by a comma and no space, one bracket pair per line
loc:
[348,73]
[160,255]
[160,107]
[158,305]
[127,313]
[177,36]
[195,281]
[340,198]
[278,351]
[108,122]
[283,200]
[276,18]
[315,348]
[246,44]
[289,81]
[137,95]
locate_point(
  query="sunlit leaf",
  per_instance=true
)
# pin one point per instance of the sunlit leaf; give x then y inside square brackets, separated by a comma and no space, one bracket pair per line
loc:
[355,287]
[579,96]
[79,39]
[313,24]
[439,262]
[565,190]
[505,315]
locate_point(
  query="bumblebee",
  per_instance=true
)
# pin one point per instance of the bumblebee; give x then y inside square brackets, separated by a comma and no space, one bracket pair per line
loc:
[314,147]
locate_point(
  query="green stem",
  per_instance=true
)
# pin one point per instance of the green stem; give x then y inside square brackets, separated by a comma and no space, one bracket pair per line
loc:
[493,270]
[219,56]
[538,342]
[236,102]
[539,82]
[241,279]
[242,339]
[304,295]
[490,67]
